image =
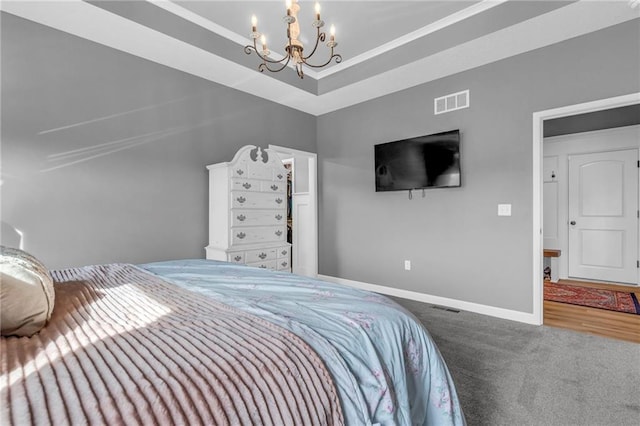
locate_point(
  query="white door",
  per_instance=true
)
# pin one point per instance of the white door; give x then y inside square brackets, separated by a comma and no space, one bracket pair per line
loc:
[603,216]
[304,247]
[303,238]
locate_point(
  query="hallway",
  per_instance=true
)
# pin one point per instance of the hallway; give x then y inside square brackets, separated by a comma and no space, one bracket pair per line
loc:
[617,325]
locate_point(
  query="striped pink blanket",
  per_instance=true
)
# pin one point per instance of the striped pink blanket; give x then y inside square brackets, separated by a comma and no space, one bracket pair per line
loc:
[125,347]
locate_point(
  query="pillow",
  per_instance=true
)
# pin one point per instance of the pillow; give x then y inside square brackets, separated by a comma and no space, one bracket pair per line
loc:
[26,293]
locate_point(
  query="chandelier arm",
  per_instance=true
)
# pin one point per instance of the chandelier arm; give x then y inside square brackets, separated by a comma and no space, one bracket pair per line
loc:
[264,65]
[337,57]
[249,48]
[320,37]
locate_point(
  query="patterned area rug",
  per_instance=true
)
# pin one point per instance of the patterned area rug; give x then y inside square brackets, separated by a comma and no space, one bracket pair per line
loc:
[592,297]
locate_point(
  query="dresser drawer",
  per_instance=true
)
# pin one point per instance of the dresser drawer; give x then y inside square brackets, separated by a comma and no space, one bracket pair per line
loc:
[273,187]
[240,170]
[259,172]
[246,185]
[257,234]
[258,185]
[283,264]
[267,264]
[283,252]
[252,256]
[243,199]
[237,257]
[248,217]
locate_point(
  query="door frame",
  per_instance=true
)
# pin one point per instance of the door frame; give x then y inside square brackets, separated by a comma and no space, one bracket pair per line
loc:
[538,135]
[289,153]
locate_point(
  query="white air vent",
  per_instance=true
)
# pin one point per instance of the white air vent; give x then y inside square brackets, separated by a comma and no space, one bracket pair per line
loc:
[451,102]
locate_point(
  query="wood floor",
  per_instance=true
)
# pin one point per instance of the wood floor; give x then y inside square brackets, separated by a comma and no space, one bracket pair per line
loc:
[617,325]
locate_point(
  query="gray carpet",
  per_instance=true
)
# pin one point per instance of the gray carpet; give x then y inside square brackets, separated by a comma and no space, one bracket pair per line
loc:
[509,373]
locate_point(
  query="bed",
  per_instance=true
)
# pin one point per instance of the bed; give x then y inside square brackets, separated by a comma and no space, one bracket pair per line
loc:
[209,342]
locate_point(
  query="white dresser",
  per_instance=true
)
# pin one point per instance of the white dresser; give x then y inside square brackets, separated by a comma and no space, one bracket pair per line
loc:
[248,210]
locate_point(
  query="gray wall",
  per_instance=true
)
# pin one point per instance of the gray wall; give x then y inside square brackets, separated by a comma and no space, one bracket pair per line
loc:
[458,246]
[103,154]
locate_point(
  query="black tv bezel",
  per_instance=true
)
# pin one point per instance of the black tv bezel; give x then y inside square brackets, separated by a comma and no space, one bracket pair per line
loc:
[418,137]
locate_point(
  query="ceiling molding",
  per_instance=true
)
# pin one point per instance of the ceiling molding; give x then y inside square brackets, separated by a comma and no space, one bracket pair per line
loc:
[98,25]
[454,18]
[207,24]
[561,24]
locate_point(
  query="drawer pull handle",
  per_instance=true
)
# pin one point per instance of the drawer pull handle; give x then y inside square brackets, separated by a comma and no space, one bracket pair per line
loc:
[240,172]
[279,200]
[283,252]
[280,176]
[262,256]
[246,185]
[237,258]
[241,235]
[241,200]
[241,217]
[278,233]
[263,266]
[278,217]
[284,264]
[274,187]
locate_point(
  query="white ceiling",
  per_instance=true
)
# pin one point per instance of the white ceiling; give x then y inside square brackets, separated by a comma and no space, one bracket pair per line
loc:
[386,45]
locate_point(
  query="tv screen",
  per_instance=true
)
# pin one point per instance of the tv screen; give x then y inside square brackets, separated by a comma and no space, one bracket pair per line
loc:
[431,161]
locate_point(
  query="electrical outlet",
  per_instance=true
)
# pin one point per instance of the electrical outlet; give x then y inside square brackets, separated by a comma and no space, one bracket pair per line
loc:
[407,265]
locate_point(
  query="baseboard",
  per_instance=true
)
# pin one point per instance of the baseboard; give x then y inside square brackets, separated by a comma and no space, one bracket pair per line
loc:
[437,300]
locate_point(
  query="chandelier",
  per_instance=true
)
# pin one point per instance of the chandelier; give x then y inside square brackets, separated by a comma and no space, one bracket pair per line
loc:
[294,48]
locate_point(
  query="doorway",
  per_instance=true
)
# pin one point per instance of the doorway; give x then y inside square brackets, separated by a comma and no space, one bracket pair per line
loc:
[538,135]
[304,211]
[590,191]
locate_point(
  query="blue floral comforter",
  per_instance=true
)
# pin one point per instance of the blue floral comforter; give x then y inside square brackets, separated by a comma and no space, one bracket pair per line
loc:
[384,364]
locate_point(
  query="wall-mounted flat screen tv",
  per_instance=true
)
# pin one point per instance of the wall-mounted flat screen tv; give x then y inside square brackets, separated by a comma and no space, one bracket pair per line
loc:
[431,161]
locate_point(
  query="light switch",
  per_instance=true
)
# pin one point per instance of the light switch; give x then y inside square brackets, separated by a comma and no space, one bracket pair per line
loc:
[504,209]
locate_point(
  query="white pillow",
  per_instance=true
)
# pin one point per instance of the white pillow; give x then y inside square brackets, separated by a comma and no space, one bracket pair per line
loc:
[26,293]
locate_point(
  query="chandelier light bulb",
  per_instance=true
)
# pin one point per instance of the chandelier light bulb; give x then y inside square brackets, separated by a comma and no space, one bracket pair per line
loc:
[317,11]
[254,22]
[332,32]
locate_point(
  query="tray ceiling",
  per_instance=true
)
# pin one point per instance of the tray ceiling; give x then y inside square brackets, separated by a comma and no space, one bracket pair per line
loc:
[386,46]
